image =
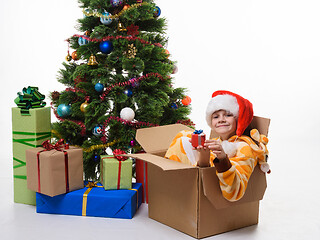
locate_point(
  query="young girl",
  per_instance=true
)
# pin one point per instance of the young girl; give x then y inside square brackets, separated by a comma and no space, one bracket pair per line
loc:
[233,154]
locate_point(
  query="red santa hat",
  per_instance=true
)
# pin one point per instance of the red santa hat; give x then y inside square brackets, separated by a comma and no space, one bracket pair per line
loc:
[240,107]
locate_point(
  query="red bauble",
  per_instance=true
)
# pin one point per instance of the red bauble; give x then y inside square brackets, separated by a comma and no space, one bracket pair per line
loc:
[74,55]
[186,100]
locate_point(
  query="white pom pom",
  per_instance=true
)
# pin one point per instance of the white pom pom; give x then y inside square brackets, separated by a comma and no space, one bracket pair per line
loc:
[127,114]
[230,148]
[264,167]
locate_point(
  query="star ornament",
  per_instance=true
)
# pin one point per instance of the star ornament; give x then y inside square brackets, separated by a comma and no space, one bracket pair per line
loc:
[132,51]
[132,30]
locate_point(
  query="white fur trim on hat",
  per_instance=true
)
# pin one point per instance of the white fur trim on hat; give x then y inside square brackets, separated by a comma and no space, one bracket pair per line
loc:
[222,102]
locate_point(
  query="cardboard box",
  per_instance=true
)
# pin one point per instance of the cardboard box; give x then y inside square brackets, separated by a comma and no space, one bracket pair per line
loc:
[189,198]
[27,132]
[55,175]
[98,203]
[115,174]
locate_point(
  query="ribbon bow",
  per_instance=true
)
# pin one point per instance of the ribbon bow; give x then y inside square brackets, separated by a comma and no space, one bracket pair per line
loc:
[29,98]
[118,152]
[92,185]
[48,146]
[198,131]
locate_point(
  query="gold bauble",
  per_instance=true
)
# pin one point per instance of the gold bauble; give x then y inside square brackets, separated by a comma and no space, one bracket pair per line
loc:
[68,58]
[83,106]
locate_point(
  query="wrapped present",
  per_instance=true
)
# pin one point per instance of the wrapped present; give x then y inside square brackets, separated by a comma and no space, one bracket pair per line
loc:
[54,170]
[116,172]
[31,125]
[198,138]
[142,177]
[93,201]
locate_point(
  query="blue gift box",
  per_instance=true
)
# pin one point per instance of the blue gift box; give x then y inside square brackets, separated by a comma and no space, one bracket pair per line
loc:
[97,202]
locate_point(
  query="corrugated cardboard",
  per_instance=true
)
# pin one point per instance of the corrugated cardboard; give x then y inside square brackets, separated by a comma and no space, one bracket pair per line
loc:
[188,198]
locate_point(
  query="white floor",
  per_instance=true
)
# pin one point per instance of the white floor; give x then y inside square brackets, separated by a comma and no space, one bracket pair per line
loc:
[289,210]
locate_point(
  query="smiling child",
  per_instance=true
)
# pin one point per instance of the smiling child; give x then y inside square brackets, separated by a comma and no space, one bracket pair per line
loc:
[233,154]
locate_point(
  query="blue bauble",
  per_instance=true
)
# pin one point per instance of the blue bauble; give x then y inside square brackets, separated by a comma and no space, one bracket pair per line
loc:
[157,12]
[174,106]
[99,87]
[128,92]
[63,110]
[106,20]
[116,3]
[96,158]
[106,47]
[82,41]
[97,131]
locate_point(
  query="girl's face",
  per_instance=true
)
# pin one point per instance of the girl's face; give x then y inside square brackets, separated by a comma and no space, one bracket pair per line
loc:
[224,123]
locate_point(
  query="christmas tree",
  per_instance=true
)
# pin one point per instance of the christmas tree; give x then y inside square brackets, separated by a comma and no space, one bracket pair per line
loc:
[118,80]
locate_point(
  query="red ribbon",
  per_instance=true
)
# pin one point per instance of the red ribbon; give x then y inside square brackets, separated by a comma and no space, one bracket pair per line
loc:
[58,146]
[116,154]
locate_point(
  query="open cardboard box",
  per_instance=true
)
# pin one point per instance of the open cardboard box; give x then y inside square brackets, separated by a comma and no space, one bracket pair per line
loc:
[189,198]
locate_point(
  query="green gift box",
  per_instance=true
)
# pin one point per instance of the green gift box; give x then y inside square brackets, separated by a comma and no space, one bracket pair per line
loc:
[115,174]
[28,131]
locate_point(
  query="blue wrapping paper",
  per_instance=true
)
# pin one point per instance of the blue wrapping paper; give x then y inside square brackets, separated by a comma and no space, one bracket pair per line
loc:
[100,203]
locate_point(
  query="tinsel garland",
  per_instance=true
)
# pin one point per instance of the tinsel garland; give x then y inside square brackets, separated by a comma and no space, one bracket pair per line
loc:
[129,82]
[96,14]
[100,146]
[130,38]
[129,123]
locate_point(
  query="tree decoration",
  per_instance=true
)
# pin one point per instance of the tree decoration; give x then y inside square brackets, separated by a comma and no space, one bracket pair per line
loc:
[82,41]
[74,56]
[99,87]
[68,57]
[128,92]
[63,110]
[92,61]
[83,106]
[131,52]
[174,106]
[132,30]
[186,100]
[121,27]
[127,114]
[55,96]
[106,47]
[157,12]
[106,18]
[175,69]
[116,3]
[97,131]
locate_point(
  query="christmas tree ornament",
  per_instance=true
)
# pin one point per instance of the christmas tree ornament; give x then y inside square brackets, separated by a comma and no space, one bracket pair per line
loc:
[167,52]
[92,61]
[132,143]
[83,106]
[96,158]
[87,33]
[127,114]
[64,110]
[175,69]
[86,12]
[106,19]
[157,12]
[99,87]
[55,95]
[106,47]
[133,30]
[74,55]
[82,41]
[174,106]
[68,57]
[125,7]
[128,92]
[139,1]
[186,100]
[116,3]
[132,51]
[97,131]
[121,27]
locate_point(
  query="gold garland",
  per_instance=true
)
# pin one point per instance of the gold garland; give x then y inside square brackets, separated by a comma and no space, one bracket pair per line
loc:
[100,146]
[95,14]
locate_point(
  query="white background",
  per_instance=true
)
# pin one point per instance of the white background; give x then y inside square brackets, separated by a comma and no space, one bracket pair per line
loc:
[266,51]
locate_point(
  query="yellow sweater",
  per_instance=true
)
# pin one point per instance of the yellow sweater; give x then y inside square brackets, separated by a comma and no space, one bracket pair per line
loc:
[247,154]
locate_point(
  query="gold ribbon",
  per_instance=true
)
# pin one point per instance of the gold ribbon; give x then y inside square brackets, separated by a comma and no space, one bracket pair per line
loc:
[90,185]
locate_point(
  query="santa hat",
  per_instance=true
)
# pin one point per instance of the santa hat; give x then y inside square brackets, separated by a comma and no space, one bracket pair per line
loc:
[240,107]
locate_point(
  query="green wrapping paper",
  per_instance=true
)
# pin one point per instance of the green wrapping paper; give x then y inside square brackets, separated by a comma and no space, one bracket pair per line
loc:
[110,169]
[28,131]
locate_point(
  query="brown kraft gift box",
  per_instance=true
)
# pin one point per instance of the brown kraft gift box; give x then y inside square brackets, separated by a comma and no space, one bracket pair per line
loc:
[189,198]
[53,170]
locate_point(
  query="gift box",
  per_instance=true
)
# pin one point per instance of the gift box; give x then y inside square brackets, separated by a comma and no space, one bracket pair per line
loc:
[28,131]
[198,138]
[115,174]
[142,177]
[54,171]
[93,201]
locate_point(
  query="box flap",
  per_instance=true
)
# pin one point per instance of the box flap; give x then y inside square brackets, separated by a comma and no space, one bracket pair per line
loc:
[255,190]
[157,139]
[260,123]
[161,162]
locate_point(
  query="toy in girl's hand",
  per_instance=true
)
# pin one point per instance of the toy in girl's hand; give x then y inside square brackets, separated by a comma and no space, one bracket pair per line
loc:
[198,138]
